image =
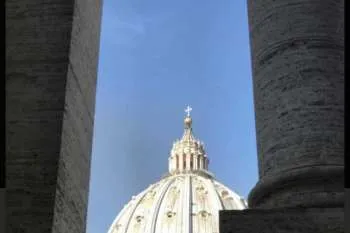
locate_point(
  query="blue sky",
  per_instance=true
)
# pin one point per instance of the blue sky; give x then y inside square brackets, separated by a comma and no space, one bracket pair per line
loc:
[157,57]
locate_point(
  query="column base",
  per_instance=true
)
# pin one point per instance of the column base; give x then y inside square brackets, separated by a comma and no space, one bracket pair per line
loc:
[308,187]
[284,220]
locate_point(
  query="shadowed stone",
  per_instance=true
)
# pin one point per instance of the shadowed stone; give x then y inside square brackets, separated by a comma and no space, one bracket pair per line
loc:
[297,51]
[51,67]
[301,220]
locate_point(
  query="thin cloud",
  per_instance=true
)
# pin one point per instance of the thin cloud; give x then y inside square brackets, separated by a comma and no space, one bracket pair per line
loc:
[123,32]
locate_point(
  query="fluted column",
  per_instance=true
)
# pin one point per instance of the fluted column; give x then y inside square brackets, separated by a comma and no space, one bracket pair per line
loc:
[188,161]
[181,162]
[194,161]
[201,162]
[297,49]
[172,163]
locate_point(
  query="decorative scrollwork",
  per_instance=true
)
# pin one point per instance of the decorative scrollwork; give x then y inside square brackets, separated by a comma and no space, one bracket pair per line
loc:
[139,218]
[204,214]
[170,214]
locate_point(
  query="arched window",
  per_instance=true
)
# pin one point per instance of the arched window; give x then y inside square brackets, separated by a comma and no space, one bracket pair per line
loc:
[184,161]
[177,161]
[191,161]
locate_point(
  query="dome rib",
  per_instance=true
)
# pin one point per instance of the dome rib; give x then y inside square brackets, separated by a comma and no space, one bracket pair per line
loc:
[156,207]
[136,206]
[190,203]
[218,199]
[187,205]
[114,227]
[168,210]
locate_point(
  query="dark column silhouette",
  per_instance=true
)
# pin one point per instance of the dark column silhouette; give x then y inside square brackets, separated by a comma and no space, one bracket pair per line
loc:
[51,67]
[297,52]
[297,49]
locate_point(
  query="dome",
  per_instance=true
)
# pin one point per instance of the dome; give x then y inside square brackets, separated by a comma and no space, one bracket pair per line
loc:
[180,203]
[188,199]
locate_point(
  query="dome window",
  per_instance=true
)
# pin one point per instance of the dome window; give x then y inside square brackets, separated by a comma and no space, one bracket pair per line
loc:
[170,214]
[204,214]
[224,194]
[139,218]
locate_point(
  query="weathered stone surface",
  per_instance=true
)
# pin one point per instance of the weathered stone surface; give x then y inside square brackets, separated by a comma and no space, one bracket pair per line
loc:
[298,72]
[301,220]
[2,210]
[347,209]
[51,68]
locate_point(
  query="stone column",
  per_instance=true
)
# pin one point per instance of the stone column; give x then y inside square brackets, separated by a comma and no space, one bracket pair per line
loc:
[297,49]
[51,67]
[177,165]
[201,158]
[188,161]
[297,52]
[181,162]
[171,164]
[195,162]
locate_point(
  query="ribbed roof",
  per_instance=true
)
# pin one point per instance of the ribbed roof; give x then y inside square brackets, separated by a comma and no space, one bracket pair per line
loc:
[180,203]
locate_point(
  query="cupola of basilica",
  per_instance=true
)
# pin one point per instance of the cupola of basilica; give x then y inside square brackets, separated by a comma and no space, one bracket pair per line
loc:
[188,154]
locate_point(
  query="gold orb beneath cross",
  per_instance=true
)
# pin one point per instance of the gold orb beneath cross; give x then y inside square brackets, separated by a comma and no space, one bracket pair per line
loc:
[188,121]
